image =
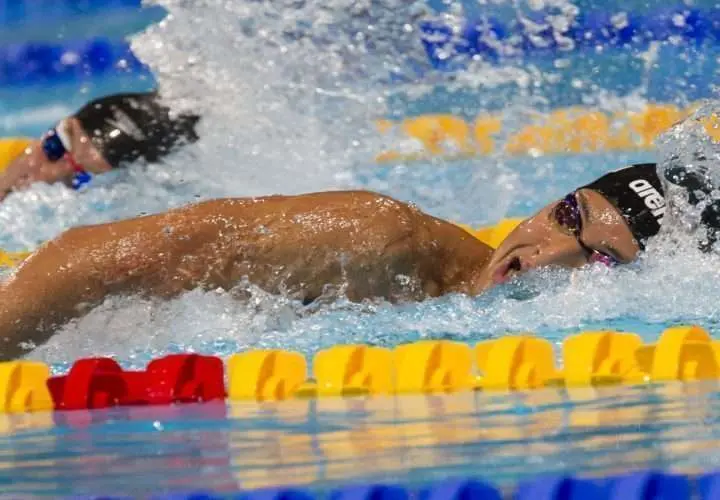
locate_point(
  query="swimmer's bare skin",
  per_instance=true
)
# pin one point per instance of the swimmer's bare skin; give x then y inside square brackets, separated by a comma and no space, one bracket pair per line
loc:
[371,244]
[33,165]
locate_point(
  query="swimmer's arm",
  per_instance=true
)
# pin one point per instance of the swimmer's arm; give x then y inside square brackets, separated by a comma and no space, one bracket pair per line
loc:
[45,291]
[69,275]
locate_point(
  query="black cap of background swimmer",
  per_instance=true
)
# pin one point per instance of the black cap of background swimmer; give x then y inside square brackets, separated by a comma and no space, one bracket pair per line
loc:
[638,194]
[128,127]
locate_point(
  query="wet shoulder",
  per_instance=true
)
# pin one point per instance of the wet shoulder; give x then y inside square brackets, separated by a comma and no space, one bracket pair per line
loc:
[380,209]
[356,204]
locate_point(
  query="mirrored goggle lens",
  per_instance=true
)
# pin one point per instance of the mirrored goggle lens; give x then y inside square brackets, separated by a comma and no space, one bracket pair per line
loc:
[567,213]
[53,147]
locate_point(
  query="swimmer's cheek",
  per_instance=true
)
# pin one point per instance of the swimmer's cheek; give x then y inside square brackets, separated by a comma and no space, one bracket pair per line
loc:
[52,173]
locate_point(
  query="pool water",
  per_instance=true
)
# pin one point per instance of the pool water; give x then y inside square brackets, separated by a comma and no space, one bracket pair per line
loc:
[275,120]
[413,440]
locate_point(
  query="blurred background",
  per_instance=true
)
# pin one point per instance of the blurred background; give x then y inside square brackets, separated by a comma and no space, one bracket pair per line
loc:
[55,55]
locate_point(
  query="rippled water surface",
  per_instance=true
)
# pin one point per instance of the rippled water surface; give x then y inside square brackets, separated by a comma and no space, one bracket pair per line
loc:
[412,440]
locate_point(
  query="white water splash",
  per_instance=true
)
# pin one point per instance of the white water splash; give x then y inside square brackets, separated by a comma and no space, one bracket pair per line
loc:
[288,91]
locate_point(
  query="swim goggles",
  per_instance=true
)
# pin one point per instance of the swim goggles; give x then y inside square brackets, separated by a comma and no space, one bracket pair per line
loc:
[567,214]
[57,145]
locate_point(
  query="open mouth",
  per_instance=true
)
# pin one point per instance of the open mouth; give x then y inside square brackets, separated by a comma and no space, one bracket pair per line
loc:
[507,270]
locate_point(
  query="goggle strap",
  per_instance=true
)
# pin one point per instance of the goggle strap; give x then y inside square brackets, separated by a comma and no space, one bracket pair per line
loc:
[62,132]
[75,165]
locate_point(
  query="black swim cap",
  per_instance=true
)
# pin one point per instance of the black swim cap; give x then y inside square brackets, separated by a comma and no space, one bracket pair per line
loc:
[127,127]
[637,192]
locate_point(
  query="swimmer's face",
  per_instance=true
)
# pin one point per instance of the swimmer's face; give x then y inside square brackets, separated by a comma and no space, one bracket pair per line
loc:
[83,150]
[34,165]
[550,238]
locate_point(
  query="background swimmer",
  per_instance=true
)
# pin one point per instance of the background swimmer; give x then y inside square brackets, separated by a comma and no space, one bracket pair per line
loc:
[107,133]
[356,243]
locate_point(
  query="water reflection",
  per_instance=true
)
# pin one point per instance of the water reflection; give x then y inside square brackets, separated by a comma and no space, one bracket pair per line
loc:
[500,437]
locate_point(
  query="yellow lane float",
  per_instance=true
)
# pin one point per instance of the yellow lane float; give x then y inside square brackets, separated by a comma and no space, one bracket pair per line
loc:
[567,130]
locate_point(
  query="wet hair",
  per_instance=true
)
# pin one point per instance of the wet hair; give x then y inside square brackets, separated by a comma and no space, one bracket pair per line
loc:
[128,127]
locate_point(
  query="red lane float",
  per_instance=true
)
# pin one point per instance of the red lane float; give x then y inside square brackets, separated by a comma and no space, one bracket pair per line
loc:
[101,383]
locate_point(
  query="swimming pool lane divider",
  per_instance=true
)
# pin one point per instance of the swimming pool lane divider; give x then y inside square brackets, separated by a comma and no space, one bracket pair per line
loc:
[451,45]
[509,363]
[566,130]
[641,485]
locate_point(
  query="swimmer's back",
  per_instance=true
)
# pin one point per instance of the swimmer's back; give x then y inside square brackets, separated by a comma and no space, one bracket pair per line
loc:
[299,244]
[353,243]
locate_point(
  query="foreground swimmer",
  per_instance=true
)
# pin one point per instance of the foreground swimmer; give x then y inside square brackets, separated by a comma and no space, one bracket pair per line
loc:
[359,243]
[107,133]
